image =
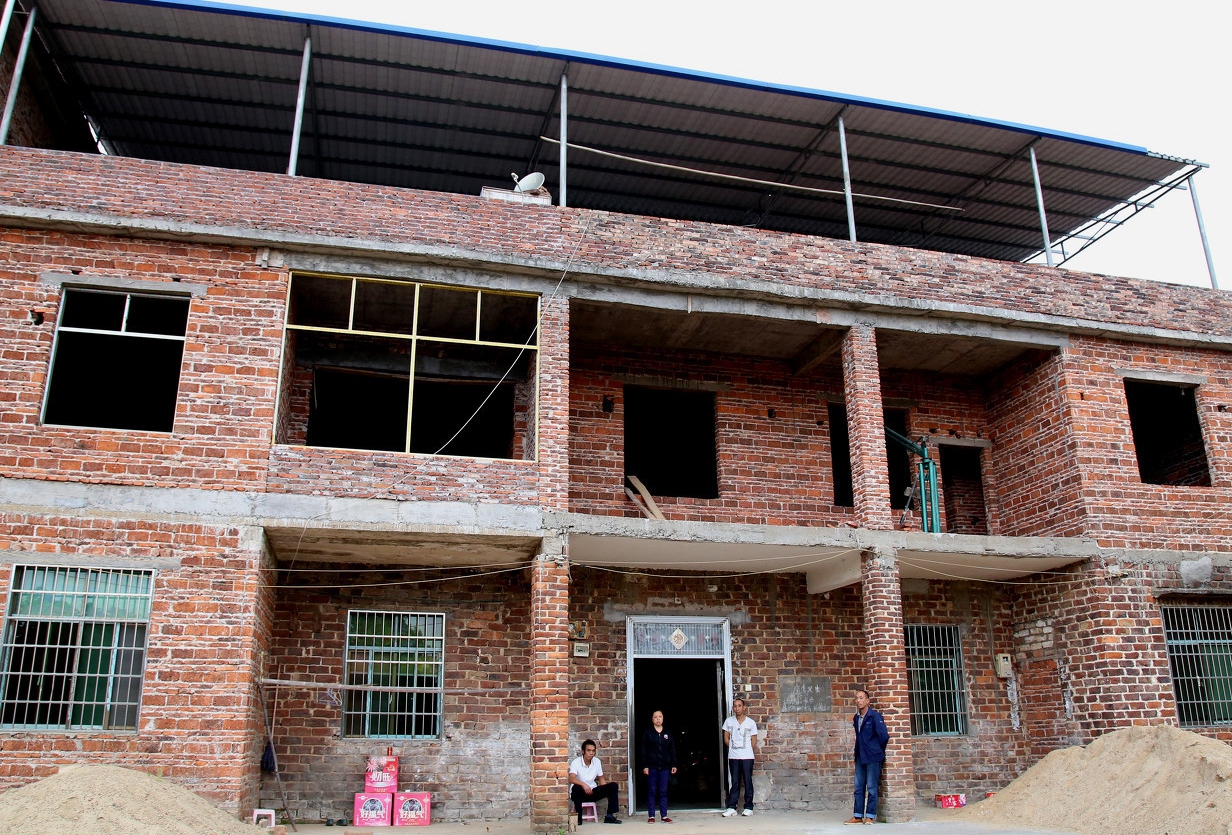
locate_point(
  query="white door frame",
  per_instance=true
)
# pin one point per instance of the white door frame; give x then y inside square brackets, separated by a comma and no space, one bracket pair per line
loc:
[724,655]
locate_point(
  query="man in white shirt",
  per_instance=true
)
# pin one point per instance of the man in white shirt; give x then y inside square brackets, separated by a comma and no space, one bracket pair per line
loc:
[588,785]
[740,734]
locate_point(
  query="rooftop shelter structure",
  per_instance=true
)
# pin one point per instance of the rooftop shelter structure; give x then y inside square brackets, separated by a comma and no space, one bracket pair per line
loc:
[341,458]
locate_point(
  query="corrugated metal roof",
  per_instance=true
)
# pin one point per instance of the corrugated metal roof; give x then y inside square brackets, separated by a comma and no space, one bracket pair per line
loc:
[216,85]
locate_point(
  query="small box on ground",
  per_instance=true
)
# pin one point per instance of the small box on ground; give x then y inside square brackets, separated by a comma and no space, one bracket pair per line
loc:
[950,801]
[381,775]
[412,809]
[373,809]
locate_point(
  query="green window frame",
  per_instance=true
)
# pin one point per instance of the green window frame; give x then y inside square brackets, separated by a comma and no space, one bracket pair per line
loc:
[1199,642]
[74,648]
[936,685]
[395,672]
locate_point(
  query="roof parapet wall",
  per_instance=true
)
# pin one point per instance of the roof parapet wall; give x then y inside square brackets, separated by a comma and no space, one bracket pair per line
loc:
[125,196]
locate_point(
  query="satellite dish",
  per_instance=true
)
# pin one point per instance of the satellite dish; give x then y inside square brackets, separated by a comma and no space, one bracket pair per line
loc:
[530,182]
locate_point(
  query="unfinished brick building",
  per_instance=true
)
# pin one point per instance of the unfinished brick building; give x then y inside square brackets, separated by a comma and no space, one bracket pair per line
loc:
[361,459]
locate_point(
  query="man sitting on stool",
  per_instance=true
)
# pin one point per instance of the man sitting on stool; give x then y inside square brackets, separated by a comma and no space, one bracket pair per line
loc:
[587,783]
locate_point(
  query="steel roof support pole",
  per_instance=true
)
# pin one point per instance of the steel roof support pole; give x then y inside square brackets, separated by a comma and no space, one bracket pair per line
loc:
[1039,201]
[4,20]
[1206,246]
[564,139]
[19,66]
[293,162]
[842,147]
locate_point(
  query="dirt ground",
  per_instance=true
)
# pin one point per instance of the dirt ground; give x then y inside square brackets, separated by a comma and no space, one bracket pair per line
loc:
[1136,781]
[109,800]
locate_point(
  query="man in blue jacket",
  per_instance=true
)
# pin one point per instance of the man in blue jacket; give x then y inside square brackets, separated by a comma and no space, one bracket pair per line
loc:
[871,740]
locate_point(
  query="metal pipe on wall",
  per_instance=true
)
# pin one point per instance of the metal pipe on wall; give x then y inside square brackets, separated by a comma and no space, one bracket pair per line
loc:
[842,147]
[293,162]
[1039,201]
[564,138]
[1206,245]
[19,67]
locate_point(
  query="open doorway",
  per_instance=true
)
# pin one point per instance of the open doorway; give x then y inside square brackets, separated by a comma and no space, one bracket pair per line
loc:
[689,691]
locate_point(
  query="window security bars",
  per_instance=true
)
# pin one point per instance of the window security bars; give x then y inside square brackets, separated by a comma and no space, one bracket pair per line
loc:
[1199,640]
[116,360]
[399,660]
[74,648]
[936,686]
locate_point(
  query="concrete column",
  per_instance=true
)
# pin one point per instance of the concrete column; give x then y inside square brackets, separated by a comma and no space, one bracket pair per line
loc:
[549,711]
[554,404]
[866,428]
[886,670]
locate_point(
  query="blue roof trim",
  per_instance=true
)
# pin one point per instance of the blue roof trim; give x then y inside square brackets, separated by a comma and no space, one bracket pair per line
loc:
[634,66]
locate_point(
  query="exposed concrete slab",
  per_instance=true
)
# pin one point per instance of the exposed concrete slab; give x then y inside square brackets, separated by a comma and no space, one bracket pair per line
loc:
[279,510]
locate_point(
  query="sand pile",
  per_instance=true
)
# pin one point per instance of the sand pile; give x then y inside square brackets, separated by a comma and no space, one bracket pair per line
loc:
[1137,781]
[109,800]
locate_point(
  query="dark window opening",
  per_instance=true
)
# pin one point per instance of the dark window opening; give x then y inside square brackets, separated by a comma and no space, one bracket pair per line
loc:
[962,484]
[898,464]
[899,467]
[443,409]
[358,410]
[840,456]
[1167,434]
[670,441]
[350,382]
[117,361]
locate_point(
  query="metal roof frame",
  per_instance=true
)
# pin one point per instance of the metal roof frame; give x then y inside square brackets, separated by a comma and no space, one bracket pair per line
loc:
[198,82]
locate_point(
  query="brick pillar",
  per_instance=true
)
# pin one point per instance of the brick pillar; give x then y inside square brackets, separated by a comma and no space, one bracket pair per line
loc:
[886,666]
[549,698]
[870,480]
[554,405]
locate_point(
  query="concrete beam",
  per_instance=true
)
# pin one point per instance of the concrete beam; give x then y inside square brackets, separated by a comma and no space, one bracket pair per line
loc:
[268,510]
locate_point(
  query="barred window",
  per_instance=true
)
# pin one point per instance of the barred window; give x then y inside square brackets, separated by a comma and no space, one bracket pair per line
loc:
[936,688]
[1199,640]
[74,648]
[398,659]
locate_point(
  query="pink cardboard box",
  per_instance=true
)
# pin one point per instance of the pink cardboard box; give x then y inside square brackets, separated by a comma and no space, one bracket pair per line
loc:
[950,801]
[373,809]
[412,809]
[381,775]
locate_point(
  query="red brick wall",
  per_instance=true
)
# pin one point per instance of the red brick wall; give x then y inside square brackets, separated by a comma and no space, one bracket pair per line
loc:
[1090,644]
[1122,511]
[133,188]
[198,720]
[481,766]
[994,751]
[224,411]
[771,470]
[1037,485]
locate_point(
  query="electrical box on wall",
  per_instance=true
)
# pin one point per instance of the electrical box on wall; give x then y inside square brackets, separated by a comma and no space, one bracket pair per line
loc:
[1003,664]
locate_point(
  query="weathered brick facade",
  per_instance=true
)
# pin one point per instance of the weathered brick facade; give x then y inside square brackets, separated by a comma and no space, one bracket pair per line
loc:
[1055,552]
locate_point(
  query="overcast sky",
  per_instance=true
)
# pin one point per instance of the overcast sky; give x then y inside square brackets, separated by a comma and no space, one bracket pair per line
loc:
[1156,76]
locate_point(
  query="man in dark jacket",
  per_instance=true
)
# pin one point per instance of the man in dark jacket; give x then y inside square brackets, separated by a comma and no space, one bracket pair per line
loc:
[871,740]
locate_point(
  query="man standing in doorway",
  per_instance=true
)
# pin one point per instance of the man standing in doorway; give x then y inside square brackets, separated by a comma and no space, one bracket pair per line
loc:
[740,734]
[588,785]
[871,740]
